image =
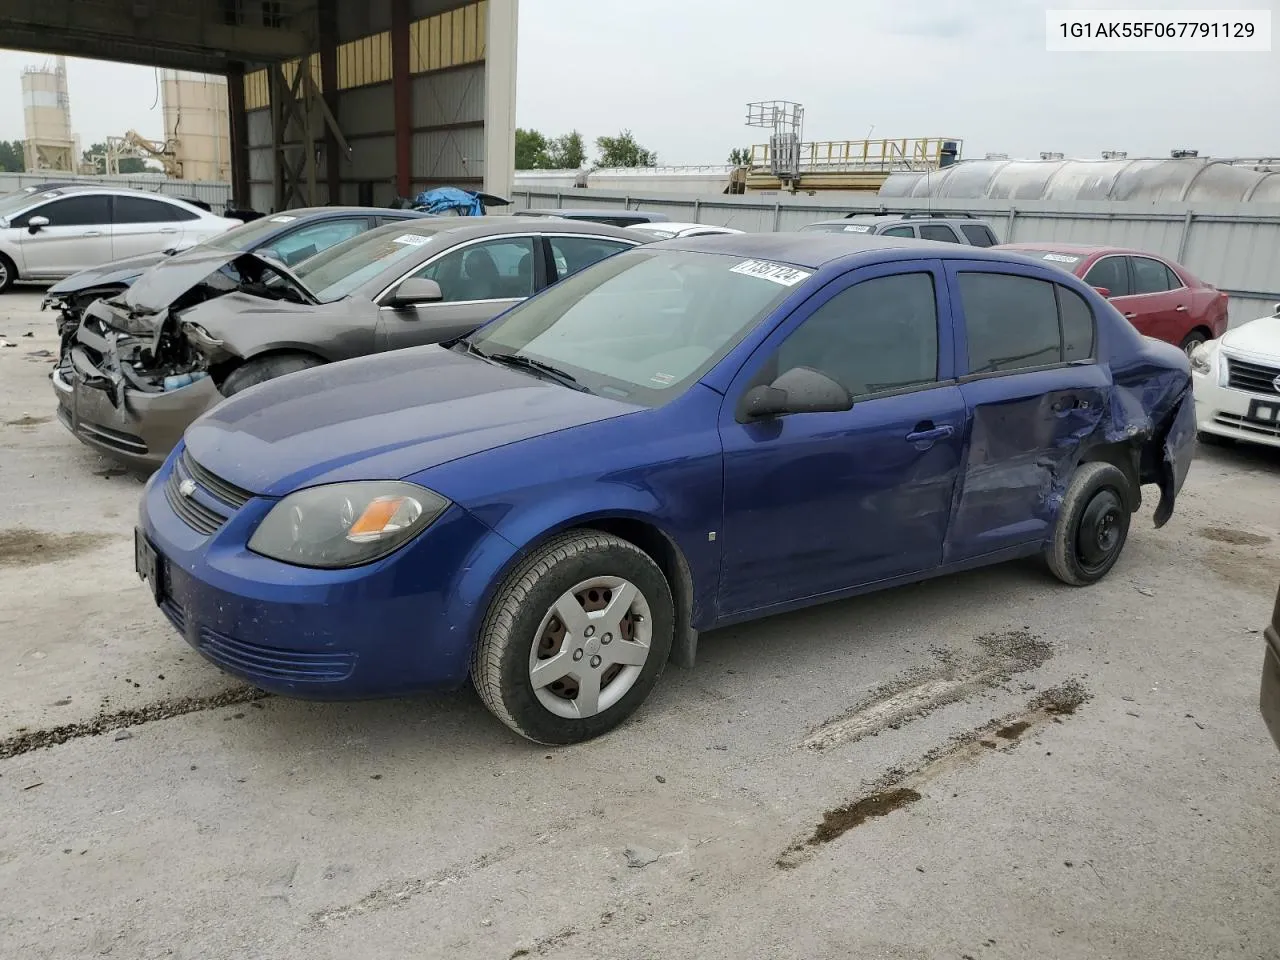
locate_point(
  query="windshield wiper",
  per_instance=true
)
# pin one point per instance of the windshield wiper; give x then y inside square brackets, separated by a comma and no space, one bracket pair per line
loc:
[528,363]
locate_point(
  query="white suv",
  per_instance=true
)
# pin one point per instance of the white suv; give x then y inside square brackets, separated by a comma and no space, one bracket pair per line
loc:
[55,233]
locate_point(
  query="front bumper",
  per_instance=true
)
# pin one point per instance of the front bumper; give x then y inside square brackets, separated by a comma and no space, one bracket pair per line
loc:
[1235,414]
[141,428]
[1269,699]
[402,625]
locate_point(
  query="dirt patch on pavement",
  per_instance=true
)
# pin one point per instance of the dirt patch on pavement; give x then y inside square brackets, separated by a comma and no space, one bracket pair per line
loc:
[955,675]
[26,421]
[1246,569]
[23,547]
[1239,538]
[899,788]
[28,740]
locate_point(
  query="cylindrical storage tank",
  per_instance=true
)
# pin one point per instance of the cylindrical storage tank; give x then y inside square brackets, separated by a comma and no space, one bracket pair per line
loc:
[1083,179]
[1267,190]
[963,180]
[197,124]
[900,184]
[1223,183]
[1021,180]
[46,109]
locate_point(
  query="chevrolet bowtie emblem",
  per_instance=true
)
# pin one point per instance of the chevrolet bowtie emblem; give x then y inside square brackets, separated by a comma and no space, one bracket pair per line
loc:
[187,488]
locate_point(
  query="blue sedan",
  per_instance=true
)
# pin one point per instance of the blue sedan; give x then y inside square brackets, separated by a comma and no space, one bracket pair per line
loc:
[686,435]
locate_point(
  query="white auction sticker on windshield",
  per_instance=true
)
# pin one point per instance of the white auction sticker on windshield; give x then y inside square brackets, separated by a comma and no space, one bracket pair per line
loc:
[413,239]
[1060,258]
[773,272]
[662,379]
[283,219]
[857,228]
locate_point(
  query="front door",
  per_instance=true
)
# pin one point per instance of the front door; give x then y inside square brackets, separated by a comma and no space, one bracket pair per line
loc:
[479,281]
[1034,393]
[818,503]
[143,225]
[77,237]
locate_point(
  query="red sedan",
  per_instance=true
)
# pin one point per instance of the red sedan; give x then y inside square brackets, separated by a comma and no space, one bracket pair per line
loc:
[1159,297]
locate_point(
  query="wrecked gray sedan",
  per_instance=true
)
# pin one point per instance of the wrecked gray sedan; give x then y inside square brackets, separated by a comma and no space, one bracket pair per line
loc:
[144,364]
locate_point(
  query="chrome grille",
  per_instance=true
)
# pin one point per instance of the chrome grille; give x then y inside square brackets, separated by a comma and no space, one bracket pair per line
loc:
[228,493]
[212,502]
[1253,377]
[191,511]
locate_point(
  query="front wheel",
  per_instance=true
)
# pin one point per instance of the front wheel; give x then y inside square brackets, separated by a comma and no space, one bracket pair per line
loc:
[1193,340]
[575,638]
[262,369]
[1092,525]
[8,273]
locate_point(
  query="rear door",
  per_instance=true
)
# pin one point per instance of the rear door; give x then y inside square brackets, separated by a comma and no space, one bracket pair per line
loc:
[1033,390]
[818,503]
[1161,305]
[142,225]
[77,237]
[573,252]
[479,280]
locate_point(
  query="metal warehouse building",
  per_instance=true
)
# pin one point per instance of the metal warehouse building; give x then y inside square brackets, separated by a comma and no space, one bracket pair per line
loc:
[329,101]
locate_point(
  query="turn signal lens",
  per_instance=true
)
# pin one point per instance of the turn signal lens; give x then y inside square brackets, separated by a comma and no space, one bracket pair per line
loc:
[384,516]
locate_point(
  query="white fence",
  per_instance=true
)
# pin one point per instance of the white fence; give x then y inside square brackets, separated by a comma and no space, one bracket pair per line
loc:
[1236,247]
[217,195]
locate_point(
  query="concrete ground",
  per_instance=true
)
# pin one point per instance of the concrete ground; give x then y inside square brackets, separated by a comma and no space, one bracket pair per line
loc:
[986,766]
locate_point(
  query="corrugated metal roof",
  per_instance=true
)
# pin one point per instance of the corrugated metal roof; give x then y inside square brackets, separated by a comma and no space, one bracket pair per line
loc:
[1146,180]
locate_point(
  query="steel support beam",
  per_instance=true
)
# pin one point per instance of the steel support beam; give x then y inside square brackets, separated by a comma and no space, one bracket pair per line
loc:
[239,135]
[402,95]
[328,33]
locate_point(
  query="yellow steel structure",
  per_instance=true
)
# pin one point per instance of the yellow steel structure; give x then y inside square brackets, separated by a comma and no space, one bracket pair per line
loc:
[851,164]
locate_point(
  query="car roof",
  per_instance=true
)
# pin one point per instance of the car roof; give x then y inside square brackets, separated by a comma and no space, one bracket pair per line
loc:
[1084,249]
[814,250]
[593,212]
[468,227]
[303,213]
[78,188]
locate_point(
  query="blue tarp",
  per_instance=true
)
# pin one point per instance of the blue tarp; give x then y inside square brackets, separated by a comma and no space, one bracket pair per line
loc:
[446,199]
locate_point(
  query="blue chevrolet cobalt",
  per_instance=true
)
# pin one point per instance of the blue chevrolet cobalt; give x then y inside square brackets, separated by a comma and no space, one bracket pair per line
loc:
[686,435]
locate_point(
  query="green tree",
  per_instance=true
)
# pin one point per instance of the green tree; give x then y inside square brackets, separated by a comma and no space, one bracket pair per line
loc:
[531,150]
[11,159]
[567,152]
[624,151]
[127,164]
[740,156]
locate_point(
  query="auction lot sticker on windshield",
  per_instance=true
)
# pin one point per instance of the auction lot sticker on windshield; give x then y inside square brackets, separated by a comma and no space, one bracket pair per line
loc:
[773,272]
[857,228]
[1060,258]
[283,219]
[415,239]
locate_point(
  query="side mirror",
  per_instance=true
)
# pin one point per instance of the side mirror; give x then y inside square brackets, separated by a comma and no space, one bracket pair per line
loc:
[799,390]
[416,290]
[1277,310]
[1106,293]
[35,224]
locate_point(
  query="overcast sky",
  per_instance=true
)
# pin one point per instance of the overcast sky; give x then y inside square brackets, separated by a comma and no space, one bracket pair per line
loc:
[679,73]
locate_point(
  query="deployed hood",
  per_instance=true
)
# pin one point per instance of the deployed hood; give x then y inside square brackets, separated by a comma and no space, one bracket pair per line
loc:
[1261,336]
[115,272]
[385,416]
[162,287]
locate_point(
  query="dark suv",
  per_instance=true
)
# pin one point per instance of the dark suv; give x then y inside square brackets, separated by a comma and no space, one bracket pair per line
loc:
[947,227]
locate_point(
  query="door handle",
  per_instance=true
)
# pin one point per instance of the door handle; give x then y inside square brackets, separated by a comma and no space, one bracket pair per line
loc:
[1130,316]
[1064,404]
[169,230]
[926,433]
[92,233]
[1180,308]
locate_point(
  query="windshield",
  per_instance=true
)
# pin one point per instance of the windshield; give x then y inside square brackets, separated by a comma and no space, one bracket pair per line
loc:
[337,272]
[1064,261]
[247,236]
[14,202]
[644,324]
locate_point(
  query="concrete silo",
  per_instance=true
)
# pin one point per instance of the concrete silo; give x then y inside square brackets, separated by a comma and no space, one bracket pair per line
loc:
[196,124]
[46,108]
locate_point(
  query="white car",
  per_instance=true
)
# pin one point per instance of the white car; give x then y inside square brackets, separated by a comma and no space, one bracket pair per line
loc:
[52,234]
[1237,382]
[664,230]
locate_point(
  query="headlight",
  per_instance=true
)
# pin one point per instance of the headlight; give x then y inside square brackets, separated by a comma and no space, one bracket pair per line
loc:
[1201,360]
[345,524]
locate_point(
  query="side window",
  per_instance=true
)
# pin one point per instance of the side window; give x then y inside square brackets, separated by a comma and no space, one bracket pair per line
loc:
[1077,325]
[493,270]
[183,211]
[1175,281]
[880,334]
[92,211]
[1111,273]
[1011,322]
[899,232]
[572,254]
[309,241]
[936,231]
[141,210]
[978,234]
[1149,276]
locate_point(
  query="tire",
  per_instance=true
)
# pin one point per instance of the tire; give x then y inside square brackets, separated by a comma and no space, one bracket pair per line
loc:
[522,629]
[8,273]
[1092,525]
[262,369]
[1193,340]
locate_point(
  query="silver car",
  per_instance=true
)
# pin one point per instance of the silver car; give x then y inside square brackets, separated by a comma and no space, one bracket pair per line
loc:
[141,366]
[55,233]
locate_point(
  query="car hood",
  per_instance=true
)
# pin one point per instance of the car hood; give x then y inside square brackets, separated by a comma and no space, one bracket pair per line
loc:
[117,271]
[1261,336]
[168,281]
[385,416]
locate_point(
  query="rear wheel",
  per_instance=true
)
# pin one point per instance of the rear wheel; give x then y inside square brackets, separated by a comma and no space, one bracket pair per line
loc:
[575,639]
[1092,525]
[1193,340]
[262,369]
[8,273]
